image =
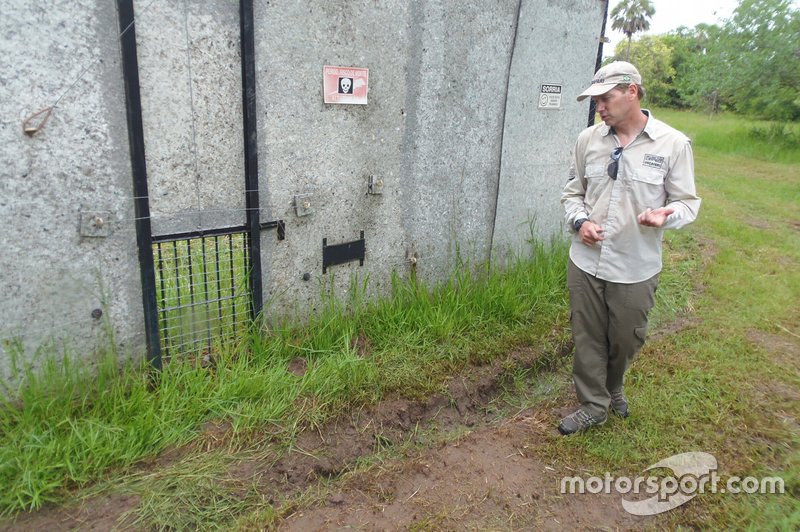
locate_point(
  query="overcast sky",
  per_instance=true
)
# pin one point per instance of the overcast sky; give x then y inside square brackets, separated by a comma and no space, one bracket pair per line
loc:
[671,14]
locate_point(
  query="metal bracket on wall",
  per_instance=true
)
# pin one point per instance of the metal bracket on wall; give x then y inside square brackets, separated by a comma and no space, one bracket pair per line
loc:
[341,253]
[276,224]
[375,185]
[302,204]
[94,223]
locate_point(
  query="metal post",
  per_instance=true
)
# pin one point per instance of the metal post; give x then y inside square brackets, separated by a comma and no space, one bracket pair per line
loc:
[144,240]
[251,152]
[598,62]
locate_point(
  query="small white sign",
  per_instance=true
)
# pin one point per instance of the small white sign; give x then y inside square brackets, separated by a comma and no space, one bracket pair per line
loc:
[550,96]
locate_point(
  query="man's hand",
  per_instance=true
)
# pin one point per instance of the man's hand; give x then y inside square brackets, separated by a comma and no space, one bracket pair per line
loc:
[655,217]
[591,233]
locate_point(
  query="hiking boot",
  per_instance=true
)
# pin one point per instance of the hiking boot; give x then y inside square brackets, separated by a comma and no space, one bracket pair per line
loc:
[619,403]
[579,421]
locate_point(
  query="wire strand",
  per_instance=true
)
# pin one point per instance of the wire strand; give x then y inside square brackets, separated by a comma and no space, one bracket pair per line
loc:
[95,61]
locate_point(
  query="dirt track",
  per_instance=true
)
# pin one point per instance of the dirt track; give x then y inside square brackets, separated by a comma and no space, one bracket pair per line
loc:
[460,465]
[489,478]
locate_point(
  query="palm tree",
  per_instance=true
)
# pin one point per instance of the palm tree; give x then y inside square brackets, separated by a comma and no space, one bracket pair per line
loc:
[632,16]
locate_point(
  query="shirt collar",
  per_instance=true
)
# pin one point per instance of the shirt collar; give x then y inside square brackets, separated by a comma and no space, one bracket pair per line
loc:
[651,127]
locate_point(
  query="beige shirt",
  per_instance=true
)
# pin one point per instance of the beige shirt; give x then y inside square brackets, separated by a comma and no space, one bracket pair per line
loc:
[656,169]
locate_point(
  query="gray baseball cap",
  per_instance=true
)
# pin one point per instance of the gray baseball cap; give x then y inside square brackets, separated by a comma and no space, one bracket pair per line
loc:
[609,77]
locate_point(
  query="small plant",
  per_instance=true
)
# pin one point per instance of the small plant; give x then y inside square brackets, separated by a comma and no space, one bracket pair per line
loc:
[782,134]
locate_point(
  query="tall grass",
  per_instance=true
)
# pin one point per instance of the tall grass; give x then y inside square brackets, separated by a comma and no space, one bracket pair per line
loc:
[68,424]
[734,135]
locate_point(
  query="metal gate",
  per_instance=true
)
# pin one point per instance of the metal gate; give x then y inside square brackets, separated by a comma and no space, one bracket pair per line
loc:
[202,285]
[202,289]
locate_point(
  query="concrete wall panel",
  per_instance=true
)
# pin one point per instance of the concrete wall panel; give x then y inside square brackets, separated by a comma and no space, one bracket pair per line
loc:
[455,98]
[329,151]
[191,83]
[538,143]
[52,278]
[451,127]
[431,131]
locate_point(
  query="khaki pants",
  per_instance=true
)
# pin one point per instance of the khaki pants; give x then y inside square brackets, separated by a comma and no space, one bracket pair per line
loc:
[609,325]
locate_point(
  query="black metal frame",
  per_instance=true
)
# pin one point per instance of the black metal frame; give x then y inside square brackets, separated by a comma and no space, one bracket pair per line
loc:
[274,224]
[598,62]
[251,151]
[144,241]
[199,234]
[341,253]
[144,236]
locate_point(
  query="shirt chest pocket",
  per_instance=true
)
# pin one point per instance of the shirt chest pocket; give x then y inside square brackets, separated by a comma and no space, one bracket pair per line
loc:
[595,174]
[647,187]
[595,171]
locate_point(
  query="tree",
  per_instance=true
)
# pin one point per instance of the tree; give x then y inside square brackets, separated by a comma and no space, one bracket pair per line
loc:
[701,67]
[764,52]
[653,57]
[632,16]
[750,65]
[683,44]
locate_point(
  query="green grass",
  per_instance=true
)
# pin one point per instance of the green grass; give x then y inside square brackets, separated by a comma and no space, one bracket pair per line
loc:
[68,426]
[729,134]
[207,497]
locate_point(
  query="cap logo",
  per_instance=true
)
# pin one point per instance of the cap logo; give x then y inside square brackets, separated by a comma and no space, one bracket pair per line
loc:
[600,79]
[626,78]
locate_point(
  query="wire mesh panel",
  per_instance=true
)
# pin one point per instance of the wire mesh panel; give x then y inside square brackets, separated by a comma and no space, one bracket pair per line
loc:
[202,291]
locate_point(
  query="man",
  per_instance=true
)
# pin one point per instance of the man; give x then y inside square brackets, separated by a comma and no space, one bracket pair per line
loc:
[632,178]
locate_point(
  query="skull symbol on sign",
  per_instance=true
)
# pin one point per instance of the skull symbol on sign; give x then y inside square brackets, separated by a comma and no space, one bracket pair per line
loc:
[345,84]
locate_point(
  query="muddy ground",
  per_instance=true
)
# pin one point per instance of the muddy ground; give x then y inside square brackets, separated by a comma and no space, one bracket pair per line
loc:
[489,478]
[456,460]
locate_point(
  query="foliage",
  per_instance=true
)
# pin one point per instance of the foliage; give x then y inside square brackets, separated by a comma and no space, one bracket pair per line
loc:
[632,16]
[653,57]
[749,64]
[696,83]
[766,35]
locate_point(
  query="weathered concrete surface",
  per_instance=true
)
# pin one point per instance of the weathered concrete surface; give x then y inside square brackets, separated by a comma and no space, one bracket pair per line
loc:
[537,143]
[191,84]
[439,130]
[455,96]
[307,147]
[432,130]
[51,278]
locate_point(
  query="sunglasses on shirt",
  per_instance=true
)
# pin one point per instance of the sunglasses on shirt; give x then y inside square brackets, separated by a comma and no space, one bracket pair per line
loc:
[613,168]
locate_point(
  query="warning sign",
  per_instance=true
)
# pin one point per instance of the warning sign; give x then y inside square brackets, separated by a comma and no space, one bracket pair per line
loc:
[550,96]
[345,84]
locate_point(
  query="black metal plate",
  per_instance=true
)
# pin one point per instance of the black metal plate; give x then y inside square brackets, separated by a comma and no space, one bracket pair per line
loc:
[342,253]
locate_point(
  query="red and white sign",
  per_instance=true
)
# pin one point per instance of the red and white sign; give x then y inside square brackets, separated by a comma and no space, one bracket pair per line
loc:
[345,84]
